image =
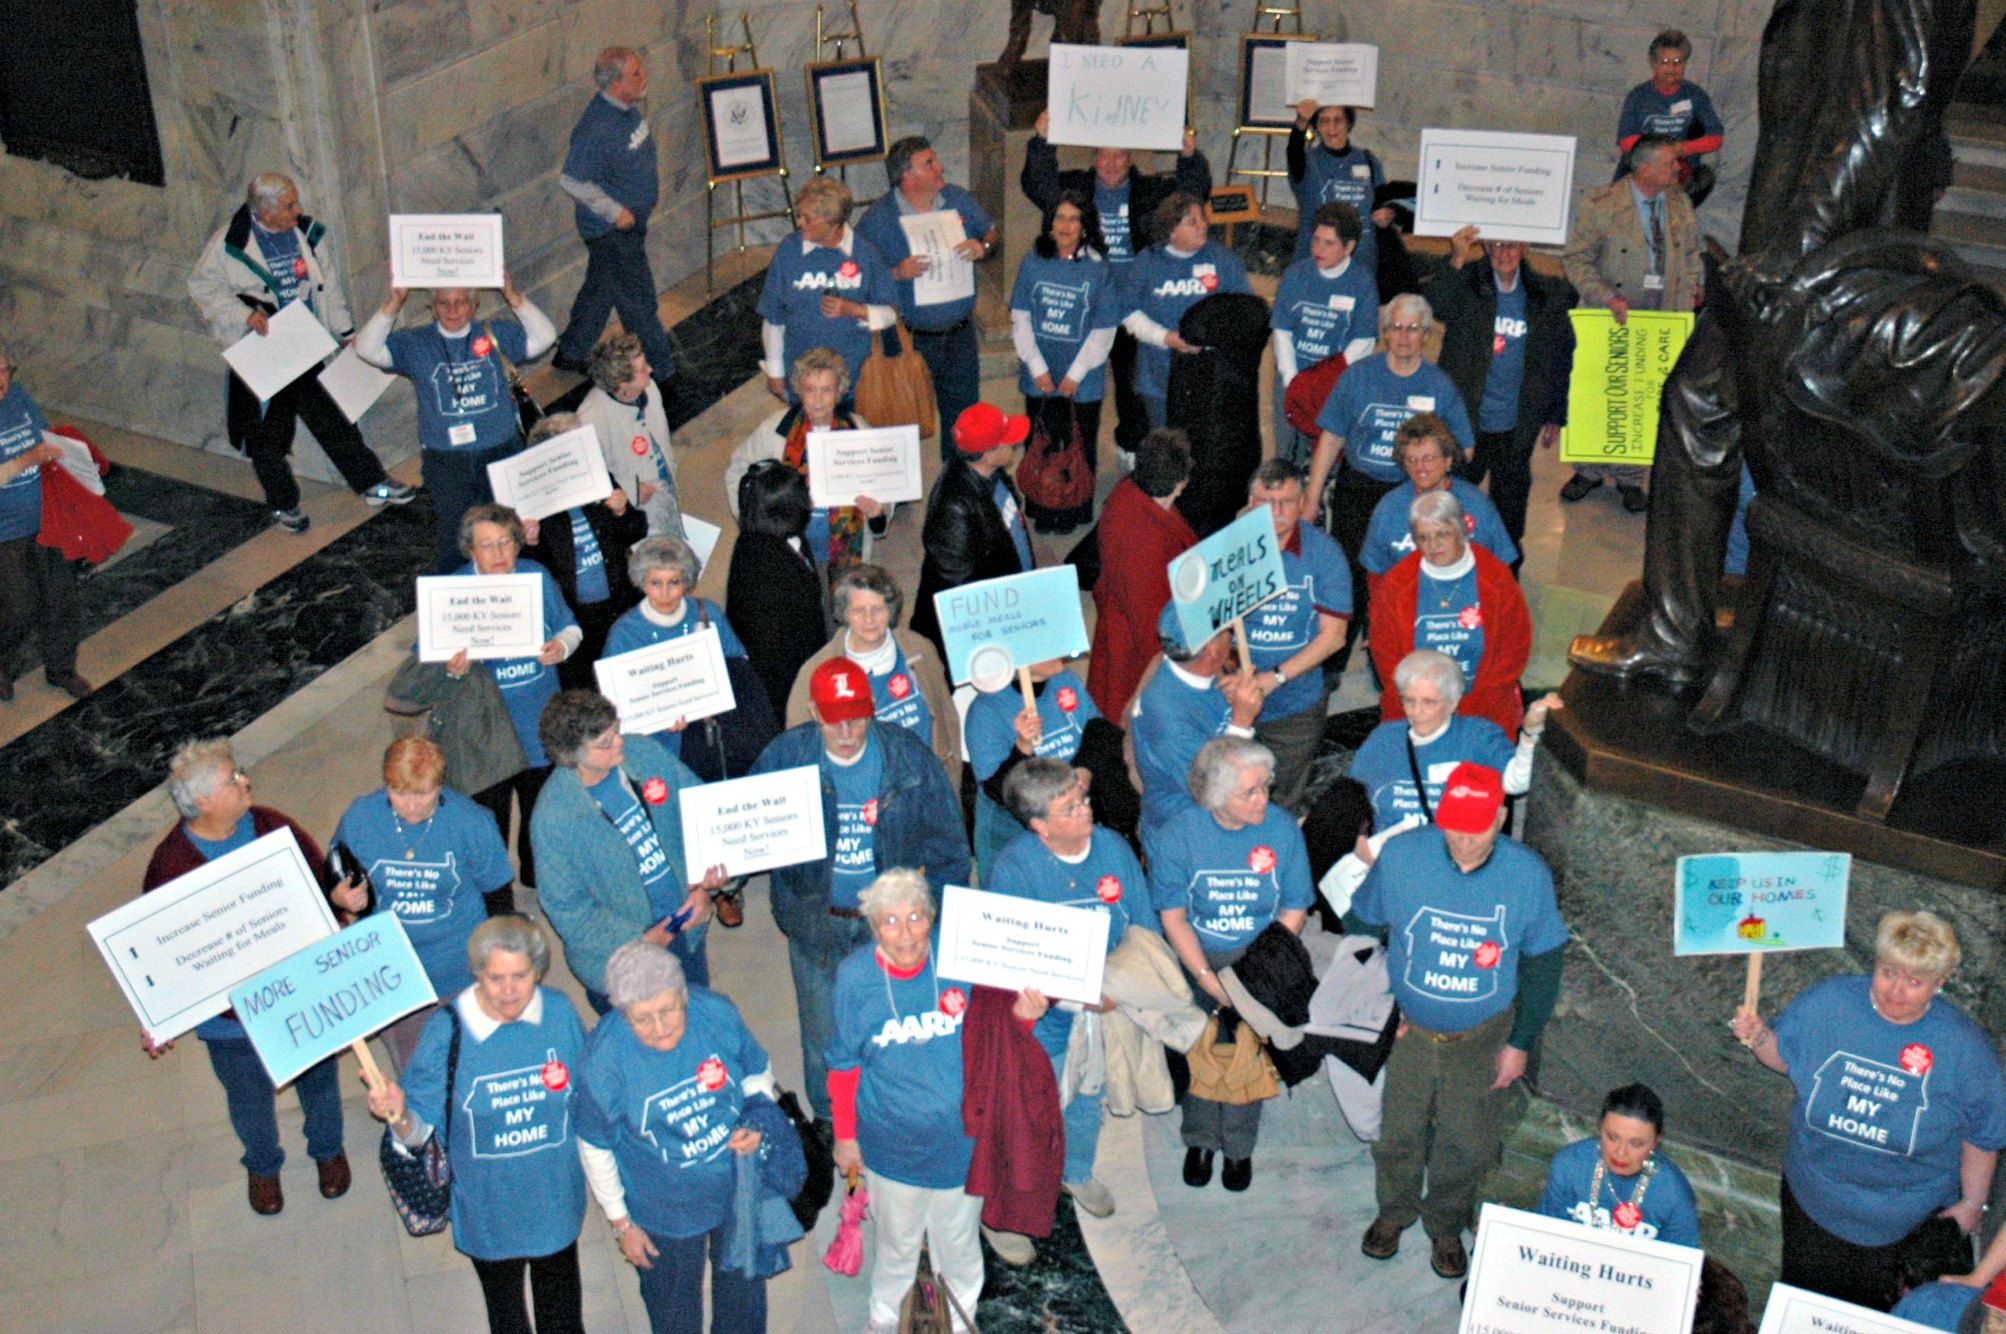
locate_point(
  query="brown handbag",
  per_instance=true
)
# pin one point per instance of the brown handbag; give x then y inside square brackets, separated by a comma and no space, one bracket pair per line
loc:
[930,1305]
[895,388]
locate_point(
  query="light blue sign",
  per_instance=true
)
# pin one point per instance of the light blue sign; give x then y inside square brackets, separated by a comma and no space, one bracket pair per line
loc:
[1226,576]
[1755,902]
[994,627]
[339,990]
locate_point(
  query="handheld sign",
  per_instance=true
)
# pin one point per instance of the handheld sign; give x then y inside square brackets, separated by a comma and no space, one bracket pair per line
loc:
[294,342]
[1513,187]
[755,824]
[702,536]
[177,951]
[1619,377]
[680,678]
[353,383]
[1000,940]
[881,462]
[1336,74]
[551,477]
[1536,1275]
[488,615]
[446,250]
[330,995]
[1225,576]
[1795,1311]
[994,626]
[1754,903]
[934,237]
[1117,96]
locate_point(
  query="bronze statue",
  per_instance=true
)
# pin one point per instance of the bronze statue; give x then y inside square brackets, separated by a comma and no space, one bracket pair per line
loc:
[1074,22]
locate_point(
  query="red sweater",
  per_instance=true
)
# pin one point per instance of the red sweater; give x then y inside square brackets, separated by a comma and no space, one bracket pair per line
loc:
[1507,639]
[1138,540]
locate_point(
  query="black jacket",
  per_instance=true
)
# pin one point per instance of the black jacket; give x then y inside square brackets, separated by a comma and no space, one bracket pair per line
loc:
[779,605]
[964,538]
[1466,300]
[617,533]
[1042,181]
[1214,398]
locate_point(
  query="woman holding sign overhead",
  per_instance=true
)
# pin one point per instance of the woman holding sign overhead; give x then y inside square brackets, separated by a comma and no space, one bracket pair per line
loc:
[1898,1121]
[585,549]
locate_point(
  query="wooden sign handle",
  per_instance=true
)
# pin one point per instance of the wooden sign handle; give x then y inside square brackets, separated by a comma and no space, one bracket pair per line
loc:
[372,1074]
[1240,638]
[1751,991]
[1024,684]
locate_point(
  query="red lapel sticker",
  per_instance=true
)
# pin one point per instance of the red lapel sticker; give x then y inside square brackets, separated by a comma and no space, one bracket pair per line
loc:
[710,1075]
[900,685]
[848,269]
[655,791]
[1917,1059]
[1109,889]
[1488,954]
[640,445]
[483,346]
[1069,698]
[1210,282]
[1497,345]
[953,1001]
[1261,860]
[871,811]
[1627,1214]
[1470,618]
[299,268]
[555,1076]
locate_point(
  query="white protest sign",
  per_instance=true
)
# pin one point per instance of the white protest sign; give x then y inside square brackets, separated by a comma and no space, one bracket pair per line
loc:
[1795,1311]
[881,462]
[933,237]
[1336,74]
[1536,1275]
[177,951]
[999,940]
[488,615]
[552,477]
[353,383]
[1511,187]
[294,342]
[446,250]
[679,678]
[702,536]
[1117,96]
[755,824]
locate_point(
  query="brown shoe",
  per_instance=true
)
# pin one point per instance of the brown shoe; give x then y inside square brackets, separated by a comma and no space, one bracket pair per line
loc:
[1449,1260]
[730,910]
[334,1177]
[1382,1239]
[72,684]
[266,1196]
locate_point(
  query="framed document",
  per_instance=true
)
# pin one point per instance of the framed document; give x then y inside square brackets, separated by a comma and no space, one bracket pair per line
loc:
[741,125]
[488,615]
[1180,40]
[755,824]
[446,250]
[999,940]
[1513,187]
[881,462]
[846,107]
[553,476]
[682,678]
[1264,81]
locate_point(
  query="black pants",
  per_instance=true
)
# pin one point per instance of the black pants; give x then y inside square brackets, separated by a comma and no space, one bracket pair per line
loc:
[1817,1261]
[1506,458]
[1131,417]
[553,1281]
[595,621]
[457,480]
[268,438]
[1352,497]
[525,786]
[38,592]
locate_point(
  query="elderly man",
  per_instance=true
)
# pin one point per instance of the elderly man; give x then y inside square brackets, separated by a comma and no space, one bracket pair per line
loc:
[942,330]
[1474,942]
[975,517]
[886,803]
[611,175]
[1188,698]
[1636,245]
[267,256]
[1126,200]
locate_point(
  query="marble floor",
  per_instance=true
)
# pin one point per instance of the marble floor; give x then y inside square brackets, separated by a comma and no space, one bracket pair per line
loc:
[121,1202]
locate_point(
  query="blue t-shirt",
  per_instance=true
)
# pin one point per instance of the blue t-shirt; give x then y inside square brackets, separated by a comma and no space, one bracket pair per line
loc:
[1067,299]
[587,560]
[612,148]
[1455,938]
[463,395]
[1230,882]
[283,260]
[518,1188]
[1107,880]
[1882,1109]
[1013,519]
[1352,177]
[631,818]
[1937,1305]
[526,684]
[1389,539]
[430,875]
[1381,763]
[905,1035]
[221,1027]
[22,426]
[1448,619]
[1499,410]
[1116,225]
[853,862]
[1163,286]
[667,1115]
[796,284]
[1670,1213]
[1171,721]
[880,226]
[1321,315]
[899,700]
[1064,709]
[1370,402]
[1319,584]
[1648,111]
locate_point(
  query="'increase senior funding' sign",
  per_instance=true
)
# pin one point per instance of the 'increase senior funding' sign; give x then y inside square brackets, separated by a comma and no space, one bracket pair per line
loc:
[993,627]
[1512,187]
[1619,376]
[308,1006]
[1536,1275]
[1226,576]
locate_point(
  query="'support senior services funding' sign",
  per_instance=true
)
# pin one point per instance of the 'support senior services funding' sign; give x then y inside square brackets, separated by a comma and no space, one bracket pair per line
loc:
[999,940]
[1226,576]
[309,1005]
[1536,1275]
[993,627]
[1619,377]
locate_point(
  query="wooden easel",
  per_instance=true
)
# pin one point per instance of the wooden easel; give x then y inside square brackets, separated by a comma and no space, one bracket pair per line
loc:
[729,55]
[1149,14]
[824,40]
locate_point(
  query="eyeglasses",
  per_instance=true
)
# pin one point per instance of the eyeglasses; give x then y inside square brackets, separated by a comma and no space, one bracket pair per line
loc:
[914,920]
[496,544]
[1405,328]
[1669,60]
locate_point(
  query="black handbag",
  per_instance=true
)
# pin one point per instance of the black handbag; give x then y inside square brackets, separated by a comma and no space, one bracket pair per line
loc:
[421,1183]
[820,1184]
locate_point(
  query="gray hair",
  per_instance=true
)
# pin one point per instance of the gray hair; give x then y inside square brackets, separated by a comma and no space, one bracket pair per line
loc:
[1654,147]
[1438,669]
[821,360]
[1174,650]
[1437,507]
[1275,471]
[867,578]
[266,190]
[894,890]
[825,199]
[197,770]
[611,64]
[1215,771]
[639,970]
[552,426]
[898,158]
[613,361]
[571,722]
[509,934]
[662,553]
[1032,787]
[1407,303]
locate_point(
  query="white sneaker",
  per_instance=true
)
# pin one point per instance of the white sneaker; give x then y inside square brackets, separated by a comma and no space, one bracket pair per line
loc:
[1012,1248]
[1092,1196]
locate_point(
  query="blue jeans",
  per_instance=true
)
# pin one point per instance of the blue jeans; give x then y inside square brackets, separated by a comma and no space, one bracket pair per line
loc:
[617,278]
[673,1290]
[1157,411]
[254,1113]
[1083,1127]
[955,362]
[813,959]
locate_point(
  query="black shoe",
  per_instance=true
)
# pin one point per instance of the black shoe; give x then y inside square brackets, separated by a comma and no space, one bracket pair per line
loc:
[1625,656]
[1634,499]
[1578,486]
[1197,1167]
[1239,1174]
[571,364]
[70,683]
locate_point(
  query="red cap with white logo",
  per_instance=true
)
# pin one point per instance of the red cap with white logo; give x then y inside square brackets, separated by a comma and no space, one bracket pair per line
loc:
[841,692]
[1470,799]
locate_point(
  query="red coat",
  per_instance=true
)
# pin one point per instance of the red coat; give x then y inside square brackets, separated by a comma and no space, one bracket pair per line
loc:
[1010,1107]
[1138,540]
[1507,639]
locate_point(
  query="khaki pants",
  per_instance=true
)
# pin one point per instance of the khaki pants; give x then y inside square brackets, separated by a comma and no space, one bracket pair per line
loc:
[1441,1125]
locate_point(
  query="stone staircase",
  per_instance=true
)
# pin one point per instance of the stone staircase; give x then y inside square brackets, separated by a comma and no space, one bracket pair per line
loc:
[1971,216]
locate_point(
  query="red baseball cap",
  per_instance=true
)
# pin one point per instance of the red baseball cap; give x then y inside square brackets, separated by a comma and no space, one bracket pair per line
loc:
[985,426]
[1470,799]
[841,691]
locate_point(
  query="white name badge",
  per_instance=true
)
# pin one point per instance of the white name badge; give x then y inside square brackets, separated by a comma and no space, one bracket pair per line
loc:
[1344,303]
[1682,108]
[1421,402]
[1654,282]
[1204,270]
[1361,172]
[461,434]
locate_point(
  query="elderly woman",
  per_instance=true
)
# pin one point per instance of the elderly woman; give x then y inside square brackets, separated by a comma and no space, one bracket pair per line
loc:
[511,1049]
[611,829]
[1898,1121]
[1064,311]
[437,862]
[1140,533]
[667,1080]
[826,287]
[38,588]
[1167,280]
[839,537]
[908,683]
[1428,453]
[1002,732]
[1618,1180]
[1219,873]
[582,548]
[492,538]
[633,427]
[1460,600]
[775,591]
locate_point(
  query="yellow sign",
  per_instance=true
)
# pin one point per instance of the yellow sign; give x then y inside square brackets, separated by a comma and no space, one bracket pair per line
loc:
[1619,374]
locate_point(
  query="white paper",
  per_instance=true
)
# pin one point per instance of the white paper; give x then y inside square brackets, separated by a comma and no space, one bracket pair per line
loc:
[702,536]
[552,477]
[738,120]
[881,462]
[1117,96]
[1336,74]
[933,236]
[754,824]
[446,250]
[1536,1275]
[295,343]
[353,383]
[177,951]
[1513,187]
[1268,100]
[488,615]
[849,113]
[1795,1311]
[682,678]
[999,940]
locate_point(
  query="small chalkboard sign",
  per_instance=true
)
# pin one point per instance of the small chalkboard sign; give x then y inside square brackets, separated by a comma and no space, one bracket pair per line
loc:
[1232,203]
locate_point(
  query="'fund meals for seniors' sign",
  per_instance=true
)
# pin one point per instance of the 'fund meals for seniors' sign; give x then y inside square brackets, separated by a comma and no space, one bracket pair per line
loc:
[1117,96]
[310,1005]
[993,627]
[1226,576]
[1619,376]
